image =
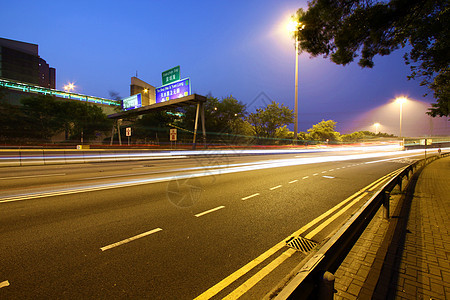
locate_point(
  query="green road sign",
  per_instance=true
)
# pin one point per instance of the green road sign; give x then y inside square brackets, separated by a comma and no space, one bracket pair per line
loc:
[171,75]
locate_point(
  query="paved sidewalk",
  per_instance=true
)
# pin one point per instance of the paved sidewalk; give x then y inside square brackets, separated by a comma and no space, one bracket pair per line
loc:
[406,257]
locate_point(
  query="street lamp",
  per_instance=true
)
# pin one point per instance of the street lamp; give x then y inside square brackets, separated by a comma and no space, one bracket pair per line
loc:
[376,127]
[293,27]
[69,87]
[400,101]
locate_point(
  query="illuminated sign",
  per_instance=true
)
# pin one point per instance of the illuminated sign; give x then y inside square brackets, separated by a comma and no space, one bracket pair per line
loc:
[173,135]
[174,90]
[426,142]
[132,102]
[171,75]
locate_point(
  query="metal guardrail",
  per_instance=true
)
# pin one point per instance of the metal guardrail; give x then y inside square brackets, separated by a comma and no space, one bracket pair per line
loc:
[313,279]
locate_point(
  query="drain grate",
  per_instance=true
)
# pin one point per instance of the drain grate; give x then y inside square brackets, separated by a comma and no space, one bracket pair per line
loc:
[301,244]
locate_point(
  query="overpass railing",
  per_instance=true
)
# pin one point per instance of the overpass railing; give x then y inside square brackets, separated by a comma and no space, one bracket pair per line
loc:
[28,88]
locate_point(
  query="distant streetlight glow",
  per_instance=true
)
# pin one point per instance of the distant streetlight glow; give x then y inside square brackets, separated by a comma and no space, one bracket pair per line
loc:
[69,87]
[376,127]
[400,101]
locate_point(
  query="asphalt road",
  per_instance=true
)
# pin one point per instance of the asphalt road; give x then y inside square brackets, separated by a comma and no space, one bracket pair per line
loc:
[171,229]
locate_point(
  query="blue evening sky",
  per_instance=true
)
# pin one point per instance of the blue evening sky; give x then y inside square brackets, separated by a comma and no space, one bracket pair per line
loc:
[238,48]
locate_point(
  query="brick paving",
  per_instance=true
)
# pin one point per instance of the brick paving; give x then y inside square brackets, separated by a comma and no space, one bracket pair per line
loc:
[406,257]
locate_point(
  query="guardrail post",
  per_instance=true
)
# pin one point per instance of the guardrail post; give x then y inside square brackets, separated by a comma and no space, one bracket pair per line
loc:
[399,182]
[326,287]
[386,196]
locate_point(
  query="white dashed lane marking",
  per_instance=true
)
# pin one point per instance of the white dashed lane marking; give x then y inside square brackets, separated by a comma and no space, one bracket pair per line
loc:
[209,211]
[130,239]
[4,284]
[251,196]
[275,187]
[328,177]
[305,177]
[293,181]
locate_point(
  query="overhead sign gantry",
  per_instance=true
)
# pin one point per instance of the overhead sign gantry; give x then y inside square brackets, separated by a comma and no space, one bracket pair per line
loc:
[173,93]
[193,99]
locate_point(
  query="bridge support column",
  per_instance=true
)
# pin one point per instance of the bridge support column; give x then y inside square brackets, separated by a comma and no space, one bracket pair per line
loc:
[200,112]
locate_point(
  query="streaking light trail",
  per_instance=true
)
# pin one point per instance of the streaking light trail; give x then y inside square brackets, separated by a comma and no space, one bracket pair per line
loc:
[100,156]
[198,172]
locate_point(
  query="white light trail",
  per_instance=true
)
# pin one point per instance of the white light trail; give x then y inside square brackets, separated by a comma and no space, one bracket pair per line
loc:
[211,171]
[99,154]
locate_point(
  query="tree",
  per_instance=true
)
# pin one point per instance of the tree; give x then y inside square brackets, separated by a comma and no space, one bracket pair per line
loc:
[346,29]
[266,121]
[353,137]
[44,117]
[324,130]
[116,96]
[13,123]
[87,120]
[155,125]
[223,117]
[284,135]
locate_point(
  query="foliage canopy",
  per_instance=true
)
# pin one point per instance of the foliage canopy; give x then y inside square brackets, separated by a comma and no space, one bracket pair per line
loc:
[266,121]
[323,131]
[224,118]
[346,29]
[41,117]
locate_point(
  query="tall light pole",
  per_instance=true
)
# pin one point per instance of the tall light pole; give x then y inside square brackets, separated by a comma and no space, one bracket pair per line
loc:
[294,27]
[400,101]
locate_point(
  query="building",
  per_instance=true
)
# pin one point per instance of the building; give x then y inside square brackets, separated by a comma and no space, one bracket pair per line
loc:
[23,73]
[147,91]
[47,75]
[20,61]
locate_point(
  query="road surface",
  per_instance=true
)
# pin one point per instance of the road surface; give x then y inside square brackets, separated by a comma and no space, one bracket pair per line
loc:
[204,226]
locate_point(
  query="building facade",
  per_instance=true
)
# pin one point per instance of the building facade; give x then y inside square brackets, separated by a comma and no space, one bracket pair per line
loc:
[147,91]
[20,61]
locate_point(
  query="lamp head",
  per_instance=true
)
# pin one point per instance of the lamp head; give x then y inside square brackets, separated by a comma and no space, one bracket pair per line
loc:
[400,100]
[292,26]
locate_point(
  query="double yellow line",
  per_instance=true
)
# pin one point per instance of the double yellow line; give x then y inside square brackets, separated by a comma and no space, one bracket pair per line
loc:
[252,281]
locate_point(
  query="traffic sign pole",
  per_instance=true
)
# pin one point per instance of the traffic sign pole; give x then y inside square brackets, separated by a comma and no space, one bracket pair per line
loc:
[128,133]
[173,136]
